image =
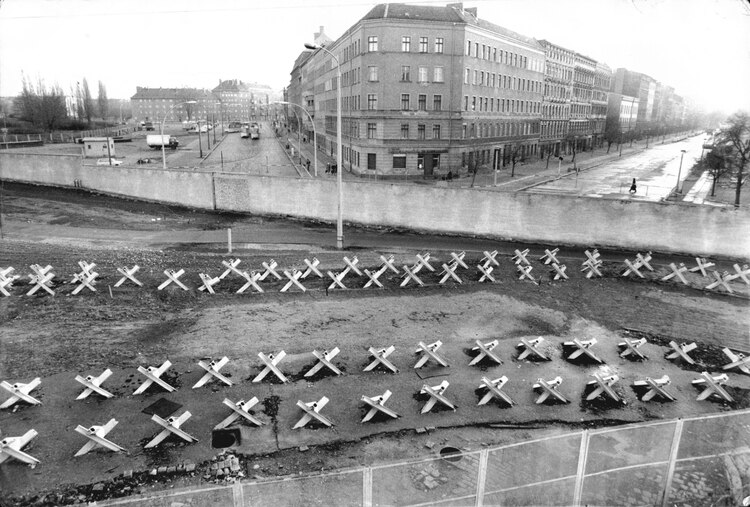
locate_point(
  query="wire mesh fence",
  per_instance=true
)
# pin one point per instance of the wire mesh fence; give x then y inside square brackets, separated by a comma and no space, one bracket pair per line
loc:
[696,461]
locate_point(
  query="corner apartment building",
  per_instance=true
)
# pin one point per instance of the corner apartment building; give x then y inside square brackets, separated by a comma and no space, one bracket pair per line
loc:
[558,95]
[425,89]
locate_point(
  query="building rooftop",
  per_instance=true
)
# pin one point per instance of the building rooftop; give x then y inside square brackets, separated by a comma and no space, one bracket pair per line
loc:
[169,93]
[451,13]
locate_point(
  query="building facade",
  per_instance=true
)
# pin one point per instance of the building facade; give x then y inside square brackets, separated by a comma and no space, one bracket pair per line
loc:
[622,111]
[425,90]
[168,104]
[584,73]
[240,101]
[558,95]
[599,101]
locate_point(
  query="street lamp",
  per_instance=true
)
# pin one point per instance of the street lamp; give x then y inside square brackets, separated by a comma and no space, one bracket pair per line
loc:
[315,133]
[161,131]
[339,161]
[679,172]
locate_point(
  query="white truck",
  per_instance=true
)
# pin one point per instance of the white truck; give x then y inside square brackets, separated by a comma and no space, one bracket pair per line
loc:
[156,141]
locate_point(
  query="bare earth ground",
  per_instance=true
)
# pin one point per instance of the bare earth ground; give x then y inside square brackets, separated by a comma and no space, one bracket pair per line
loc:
[56,338]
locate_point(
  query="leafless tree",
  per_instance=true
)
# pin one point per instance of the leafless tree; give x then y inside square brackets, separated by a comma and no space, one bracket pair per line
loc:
[102,101]
[717,164]
[736,135]
[87,101]
[43,106]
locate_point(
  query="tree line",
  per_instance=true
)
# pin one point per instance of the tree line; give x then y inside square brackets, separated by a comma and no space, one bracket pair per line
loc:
[48,106]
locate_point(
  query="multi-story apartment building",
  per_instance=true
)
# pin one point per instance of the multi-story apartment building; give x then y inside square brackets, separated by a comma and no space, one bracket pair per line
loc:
[622,111]
[156,104]
[425,89]
[584,72]
[636,84]
[241,101]
[599,101]
[558,94]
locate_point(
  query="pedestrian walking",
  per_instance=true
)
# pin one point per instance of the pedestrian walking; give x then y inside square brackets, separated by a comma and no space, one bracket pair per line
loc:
[633,188]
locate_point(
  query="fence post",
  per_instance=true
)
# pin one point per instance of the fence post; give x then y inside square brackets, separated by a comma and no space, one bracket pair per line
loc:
[582,454]
[482,476]
[367,487]
[229,240]
[672,461]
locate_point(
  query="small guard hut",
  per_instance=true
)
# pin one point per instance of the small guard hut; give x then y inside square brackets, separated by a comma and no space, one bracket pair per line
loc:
[98,147]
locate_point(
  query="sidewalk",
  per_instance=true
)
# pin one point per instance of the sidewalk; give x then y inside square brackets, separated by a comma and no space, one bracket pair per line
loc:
[532,172]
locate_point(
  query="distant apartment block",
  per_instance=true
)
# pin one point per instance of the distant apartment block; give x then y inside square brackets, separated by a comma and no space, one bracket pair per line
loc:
[156,104]
[558,95]
[425,89]
[240,101]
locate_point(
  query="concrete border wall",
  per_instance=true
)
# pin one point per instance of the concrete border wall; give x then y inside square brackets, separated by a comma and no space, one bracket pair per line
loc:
[553,219]
[544,218]
[187,188]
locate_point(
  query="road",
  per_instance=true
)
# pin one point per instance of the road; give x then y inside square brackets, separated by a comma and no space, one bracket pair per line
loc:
[655,170]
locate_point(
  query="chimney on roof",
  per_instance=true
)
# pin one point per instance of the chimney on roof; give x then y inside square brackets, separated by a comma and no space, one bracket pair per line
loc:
[472,11]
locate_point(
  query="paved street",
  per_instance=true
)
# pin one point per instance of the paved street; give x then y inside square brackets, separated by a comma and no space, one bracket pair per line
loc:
[655,170]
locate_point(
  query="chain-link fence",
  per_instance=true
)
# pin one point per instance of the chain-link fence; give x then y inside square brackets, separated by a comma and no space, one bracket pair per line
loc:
[696,461]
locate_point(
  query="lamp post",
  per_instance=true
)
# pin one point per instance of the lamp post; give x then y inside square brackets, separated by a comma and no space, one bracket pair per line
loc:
[315,133]
[679,173]
[339,161]
[161,131]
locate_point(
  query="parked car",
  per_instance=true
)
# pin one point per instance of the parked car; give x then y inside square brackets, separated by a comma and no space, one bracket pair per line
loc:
[105,161]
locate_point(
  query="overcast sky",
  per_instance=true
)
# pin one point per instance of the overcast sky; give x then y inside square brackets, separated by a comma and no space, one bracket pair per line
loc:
[701,47]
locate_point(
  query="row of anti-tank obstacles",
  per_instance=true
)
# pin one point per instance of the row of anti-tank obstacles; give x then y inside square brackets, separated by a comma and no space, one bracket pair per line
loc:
[42,276]
[12,447]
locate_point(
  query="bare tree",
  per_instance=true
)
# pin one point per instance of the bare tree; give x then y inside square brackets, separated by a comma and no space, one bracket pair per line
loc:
[572,140]
[102,101]
[516,154]
[611,134]
[717,163]
[41,105]
[87,101]
[737,136]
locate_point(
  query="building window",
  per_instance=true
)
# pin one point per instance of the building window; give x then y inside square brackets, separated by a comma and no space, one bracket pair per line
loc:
[420,132]
[438,75]
[474,78]
[439,45]
[371,161]
[405,101]
[422,76]
[436,161]
[437,102]
[372,101]
[423,42]
[405,44]
[405,73]
[372,130]
[468,48]
[404,131]
[436,131]
[463,131]
[466,102]
[372,43]
[423,102]
[399,161]
[473,103]
[466,76]
[373,74]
